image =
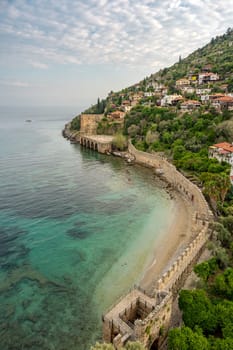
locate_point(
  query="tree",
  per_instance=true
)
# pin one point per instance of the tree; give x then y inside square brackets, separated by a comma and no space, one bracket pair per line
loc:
[197,310]
[185,339]
[221,234]
[224,284]
[221,344]
[133,130]
[205,269]
[224,310]
[151,137]
[228,222]
[120,142]
[216,186]
[222,257]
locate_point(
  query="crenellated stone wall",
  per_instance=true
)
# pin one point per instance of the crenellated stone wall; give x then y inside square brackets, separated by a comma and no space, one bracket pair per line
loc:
[146,318]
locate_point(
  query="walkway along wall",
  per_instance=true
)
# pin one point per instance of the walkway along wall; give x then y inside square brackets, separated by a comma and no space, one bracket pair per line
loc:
[138,316]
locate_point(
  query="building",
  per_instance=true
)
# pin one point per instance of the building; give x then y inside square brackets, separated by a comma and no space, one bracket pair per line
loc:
[149,94]
[223,152]
[171,100]
[211,98]
[126,105]
[117,115]
[187,89]
[203,91]
[206,77]
[182,82]
[223,102]
[190,104]
[138,95]
[204,98]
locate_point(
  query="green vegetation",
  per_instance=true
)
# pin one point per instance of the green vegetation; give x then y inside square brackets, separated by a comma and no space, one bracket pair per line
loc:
[217,55]
[120,142]
[108,127]
[186,339]
[184,139]
[75,123]
[208,312]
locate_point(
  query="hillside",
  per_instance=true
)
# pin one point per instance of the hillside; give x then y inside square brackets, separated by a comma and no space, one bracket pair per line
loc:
[217,55]
[182,111]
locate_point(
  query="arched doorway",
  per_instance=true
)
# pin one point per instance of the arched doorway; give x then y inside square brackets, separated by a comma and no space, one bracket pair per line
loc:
[155,345]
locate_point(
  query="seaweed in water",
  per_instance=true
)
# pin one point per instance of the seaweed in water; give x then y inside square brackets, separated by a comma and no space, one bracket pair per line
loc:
[77,233]
[8,244]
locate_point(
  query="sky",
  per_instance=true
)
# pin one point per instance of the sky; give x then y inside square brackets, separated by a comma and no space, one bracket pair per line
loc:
[70,52]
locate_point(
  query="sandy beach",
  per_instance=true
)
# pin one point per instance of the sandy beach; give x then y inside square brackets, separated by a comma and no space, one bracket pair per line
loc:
[171,243]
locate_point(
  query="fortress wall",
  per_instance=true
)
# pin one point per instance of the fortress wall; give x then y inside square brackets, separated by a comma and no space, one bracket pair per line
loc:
[89,123]
[151,321]
[200,219]
[174,178]
[178,268]
[156,325]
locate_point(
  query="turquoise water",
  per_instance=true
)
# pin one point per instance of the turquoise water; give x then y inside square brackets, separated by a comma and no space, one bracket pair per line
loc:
[76,231]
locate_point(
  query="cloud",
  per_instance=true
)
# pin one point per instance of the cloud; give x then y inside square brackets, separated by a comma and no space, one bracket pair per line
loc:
[18,84]
[119,32]
[39,65]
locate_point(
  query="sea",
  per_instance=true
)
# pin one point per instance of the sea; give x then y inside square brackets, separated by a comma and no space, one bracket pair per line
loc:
[77,230]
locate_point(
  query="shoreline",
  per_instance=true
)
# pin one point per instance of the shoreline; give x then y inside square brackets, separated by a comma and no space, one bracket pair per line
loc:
[176,238]
[170,243]
[150,305]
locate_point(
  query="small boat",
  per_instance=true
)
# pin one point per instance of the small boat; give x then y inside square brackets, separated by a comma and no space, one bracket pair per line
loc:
[28,120]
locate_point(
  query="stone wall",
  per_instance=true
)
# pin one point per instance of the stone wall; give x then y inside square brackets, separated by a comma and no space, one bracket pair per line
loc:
[149,320]
[100,143]
[89,123]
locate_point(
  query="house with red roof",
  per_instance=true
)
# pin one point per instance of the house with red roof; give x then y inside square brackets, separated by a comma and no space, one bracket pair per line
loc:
[206,77]
[190,104]
[223,102]
[223,152]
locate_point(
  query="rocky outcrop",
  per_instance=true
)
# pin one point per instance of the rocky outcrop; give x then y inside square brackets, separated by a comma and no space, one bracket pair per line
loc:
[69,134]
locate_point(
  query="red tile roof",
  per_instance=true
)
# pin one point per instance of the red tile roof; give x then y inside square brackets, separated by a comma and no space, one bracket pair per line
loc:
[225,146]
[225,99]
[191,102]
[208,73]
[218,95]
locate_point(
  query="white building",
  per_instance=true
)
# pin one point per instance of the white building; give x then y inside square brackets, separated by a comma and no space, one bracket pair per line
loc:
[207,77]
[170,100]
[223,152]
[203,91]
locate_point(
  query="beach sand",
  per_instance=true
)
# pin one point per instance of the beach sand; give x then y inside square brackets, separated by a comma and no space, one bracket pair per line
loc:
[171,243]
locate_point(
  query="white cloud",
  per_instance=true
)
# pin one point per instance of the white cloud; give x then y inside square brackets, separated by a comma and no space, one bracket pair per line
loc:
[39,65]
[116,31]
[18,84]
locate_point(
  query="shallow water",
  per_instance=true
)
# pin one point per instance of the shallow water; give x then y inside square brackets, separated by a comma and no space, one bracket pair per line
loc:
[76,231]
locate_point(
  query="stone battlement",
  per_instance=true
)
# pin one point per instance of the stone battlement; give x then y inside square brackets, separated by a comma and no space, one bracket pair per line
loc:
[146,318]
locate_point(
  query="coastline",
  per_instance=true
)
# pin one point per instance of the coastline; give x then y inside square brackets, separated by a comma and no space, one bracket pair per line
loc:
[151,304]
[180,232]
[170,243]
